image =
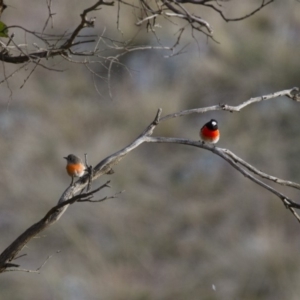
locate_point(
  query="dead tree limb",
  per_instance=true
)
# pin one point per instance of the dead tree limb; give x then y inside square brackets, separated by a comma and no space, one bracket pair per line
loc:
[53,50]
[18,244]
[69,196]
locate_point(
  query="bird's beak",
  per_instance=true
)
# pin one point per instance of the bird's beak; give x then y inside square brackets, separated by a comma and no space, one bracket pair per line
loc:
[65,158]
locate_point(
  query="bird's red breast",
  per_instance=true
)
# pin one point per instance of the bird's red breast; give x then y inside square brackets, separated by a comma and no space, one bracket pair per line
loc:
[210,132]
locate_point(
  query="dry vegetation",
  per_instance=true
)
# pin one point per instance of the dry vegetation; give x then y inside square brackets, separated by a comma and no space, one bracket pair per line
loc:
[188,225]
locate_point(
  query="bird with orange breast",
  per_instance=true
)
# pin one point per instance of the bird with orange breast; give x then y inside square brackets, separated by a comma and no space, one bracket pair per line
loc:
[210,133]
[75,166]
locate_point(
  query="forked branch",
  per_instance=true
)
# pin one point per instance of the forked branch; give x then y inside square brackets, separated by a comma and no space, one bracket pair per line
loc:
[69,196]
[53,49]
[15,247]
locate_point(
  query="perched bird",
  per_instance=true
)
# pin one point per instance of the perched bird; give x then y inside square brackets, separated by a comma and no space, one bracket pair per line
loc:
[209,133]
[75,166]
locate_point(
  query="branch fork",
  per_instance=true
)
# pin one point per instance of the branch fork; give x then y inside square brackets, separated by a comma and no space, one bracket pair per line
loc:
[69,196]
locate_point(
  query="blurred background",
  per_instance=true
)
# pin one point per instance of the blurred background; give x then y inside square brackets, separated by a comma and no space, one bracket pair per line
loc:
[188,226]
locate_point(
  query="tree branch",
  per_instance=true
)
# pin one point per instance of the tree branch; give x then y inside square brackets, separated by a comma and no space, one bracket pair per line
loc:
[15,247]
[263,4]
[85,22]
[243,167]
[288,203]
[291,93]
[68,197]
[53,50]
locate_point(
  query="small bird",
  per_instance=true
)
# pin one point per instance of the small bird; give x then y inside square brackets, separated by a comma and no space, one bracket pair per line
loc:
[209,132]
[75,167]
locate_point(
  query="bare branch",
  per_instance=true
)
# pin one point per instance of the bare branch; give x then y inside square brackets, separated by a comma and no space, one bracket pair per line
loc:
[187,16]
[25,80]
[263,4]
[28,57]
[291,93]
[104,167]
[53,50]
[260,173]
[85,22]
[288,203]
[101,200]
[231,158]
[50,15]
[16,246]
[9,265]
[150,11]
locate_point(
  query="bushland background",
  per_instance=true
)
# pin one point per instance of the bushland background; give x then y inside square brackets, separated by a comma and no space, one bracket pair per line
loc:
[188,225]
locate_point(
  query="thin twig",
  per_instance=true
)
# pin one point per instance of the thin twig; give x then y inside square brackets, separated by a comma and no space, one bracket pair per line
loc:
[263,4]
[291,93]
[260,173]
[288,203]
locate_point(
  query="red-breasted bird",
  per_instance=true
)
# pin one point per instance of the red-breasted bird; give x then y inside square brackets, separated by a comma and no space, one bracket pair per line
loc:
[75,166]
[209,133]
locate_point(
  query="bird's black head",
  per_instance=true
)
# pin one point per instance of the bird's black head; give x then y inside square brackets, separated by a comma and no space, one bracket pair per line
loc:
[212,124]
